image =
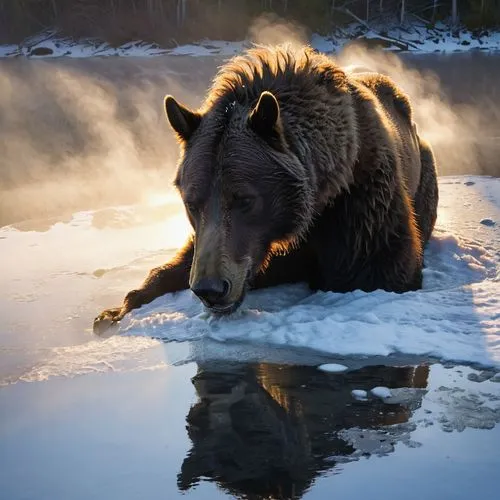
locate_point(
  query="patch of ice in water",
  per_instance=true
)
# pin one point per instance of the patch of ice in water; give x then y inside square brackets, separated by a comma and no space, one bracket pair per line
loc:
[454,317]
[455,399]
[359,394]
[460,398]
[461,408]
[332,367]
[378,442]
[114,354]
[381,392]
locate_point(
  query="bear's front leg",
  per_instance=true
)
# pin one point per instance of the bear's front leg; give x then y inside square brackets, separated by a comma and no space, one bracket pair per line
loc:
[171,277]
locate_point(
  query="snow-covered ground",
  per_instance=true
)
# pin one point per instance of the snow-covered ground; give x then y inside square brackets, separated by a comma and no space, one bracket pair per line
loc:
[55,280]
[454,318]
[415,38]
[84,417]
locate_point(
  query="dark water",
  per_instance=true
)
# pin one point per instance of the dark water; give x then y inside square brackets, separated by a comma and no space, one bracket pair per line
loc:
[249,430]
[268,431]
[469,80]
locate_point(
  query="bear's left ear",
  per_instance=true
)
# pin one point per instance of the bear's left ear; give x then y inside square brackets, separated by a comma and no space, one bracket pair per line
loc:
[264,119]
[183,120]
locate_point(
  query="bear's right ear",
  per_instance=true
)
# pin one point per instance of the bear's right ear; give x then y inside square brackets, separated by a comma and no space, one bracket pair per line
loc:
[182,120]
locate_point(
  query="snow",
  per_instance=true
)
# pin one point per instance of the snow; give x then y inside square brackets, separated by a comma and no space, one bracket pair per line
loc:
[332,368]
[381,392]
[55,46]
[209,48]
[463,41]
[454,318]
[102,254]
[359,394]
[51,45]
[8,50]
[416,38]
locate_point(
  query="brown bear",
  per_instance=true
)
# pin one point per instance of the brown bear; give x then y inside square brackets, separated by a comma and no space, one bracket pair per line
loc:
[295,170]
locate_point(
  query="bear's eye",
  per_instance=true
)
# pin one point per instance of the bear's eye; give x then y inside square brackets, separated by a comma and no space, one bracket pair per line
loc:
[243,202]
[190,207]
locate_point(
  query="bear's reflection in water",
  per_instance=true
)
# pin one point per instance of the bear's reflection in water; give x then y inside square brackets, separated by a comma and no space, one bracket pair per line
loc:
[266,431]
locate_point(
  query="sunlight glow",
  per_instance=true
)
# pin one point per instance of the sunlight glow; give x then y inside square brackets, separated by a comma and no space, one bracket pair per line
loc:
[177,230]
[161,199]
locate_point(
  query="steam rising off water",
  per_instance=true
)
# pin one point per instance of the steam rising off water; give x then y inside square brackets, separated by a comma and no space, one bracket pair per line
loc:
[82,134]
[447,127]
[79,134]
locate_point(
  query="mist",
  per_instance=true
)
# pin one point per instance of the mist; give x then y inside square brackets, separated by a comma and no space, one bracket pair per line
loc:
[461,121]
[79,134]
[270,29]
[452,129]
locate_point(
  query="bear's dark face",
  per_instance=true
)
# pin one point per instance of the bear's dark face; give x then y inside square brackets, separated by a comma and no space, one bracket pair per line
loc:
[243,191]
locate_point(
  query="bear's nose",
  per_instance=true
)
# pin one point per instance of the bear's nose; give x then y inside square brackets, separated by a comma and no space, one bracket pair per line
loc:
[212,290]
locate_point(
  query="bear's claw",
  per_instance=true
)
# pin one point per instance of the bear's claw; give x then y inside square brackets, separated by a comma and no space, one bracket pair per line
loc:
[106,320]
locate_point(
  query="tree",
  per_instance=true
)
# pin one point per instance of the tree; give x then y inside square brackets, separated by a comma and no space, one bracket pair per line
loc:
[434,10]
[454,13]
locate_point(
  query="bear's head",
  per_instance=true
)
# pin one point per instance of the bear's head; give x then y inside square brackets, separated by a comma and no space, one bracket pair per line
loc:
[246,193]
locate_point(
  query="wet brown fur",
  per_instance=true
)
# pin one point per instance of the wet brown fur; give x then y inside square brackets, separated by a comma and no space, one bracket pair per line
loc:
[347,189]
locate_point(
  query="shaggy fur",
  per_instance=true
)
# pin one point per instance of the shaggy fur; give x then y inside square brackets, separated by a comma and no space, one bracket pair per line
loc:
[343,191]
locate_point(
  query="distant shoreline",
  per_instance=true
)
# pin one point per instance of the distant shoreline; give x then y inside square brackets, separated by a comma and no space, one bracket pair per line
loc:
[422,40]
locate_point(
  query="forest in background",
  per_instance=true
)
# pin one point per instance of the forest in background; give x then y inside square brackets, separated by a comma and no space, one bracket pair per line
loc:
[170,22]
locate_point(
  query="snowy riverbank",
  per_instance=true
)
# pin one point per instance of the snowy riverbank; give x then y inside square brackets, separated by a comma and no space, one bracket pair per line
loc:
[415,38]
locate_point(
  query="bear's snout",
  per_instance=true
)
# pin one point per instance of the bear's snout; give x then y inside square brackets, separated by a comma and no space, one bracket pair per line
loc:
[212,291]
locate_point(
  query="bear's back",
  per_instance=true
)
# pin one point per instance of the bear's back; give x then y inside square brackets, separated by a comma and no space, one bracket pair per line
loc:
[398,111]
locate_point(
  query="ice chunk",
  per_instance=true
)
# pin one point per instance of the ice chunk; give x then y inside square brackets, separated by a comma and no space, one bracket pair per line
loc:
[359,394]
[332,368]
[381,392]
